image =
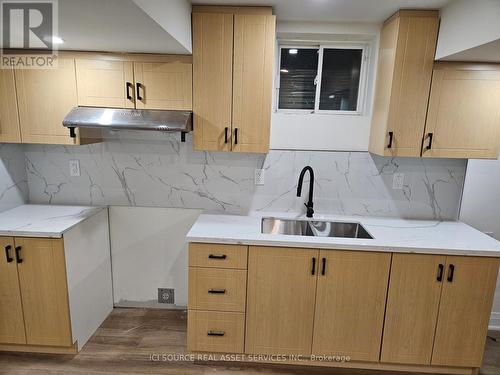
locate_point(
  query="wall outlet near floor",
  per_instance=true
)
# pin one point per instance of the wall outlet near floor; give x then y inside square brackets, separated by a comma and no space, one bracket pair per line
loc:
[74,168]
[398,180]
[166,295]
[259,176]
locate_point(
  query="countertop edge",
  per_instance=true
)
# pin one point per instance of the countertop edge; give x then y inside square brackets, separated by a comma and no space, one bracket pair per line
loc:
[360,247]
[92,211]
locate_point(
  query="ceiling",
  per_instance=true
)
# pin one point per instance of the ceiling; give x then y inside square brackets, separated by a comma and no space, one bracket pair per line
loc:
[334,10]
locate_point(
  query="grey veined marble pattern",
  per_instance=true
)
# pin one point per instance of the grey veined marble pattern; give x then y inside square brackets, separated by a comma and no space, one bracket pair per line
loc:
[163,172]
[13,180]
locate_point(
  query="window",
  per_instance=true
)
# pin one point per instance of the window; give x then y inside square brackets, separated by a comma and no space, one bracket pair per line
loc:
[323,79]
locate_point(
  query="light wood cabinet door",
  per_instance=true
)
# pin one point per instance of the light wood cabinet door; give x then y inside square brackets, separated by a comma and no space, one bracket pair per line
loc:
[105,83]
[164,85]
[10,131]
[350,304]
[45,96]
[44,291]
[280,300]
[212,81]
[464,115]
[407,45]
[11,310]
[254,39]
[464,311]
[412,308]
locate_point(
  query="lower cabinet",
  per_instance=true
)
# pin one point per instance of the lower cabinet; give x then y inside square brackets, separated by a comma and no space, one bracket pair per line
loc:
[36,291]
[350,304]
[438,309]
[381,310]
[55,292]
[281,295]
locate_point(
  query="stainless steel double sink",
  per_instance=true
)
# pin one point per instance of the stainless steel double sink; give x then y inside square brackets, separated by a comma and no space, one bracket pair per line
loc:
[316,228]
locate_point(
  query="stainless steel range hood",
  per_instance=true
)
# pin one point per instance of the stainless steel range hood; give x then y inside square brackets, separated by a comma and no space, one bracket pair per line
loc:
[128,119]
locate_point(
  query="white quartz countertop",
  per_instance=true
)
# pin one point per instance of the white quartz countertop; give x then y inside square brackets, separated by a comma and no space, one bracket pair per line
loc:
[389,234]
[32,220]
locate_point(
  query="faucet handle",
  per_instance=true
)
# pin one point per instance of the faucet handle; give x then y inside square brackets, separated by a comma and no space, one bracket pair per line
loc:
[310,210]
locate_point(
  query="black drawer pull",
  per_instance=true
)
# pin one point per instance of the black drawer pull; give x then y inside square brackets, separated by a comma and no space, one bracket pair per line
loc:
[440,272]
[429,146]
[391,136]
[138,86]
[7,254]
[217,291]
[214,256]
[18,255]
[225,134]
[323,266]
[451,271]
[235,136]
[129,86]
[313,269]
[216,333]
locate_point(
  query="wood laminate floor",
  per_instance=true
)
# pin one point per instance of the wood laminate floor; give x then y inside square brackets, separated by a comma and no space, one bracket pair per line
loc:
[128,337]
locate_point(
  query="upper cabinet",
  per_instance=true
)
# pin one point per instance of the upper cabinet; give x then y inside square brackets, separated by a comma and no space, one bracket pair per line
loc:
[407,46]
[233,53]
[44,97]
[9,119]
[34,102]
[142,82]
[105,83]
[463,119]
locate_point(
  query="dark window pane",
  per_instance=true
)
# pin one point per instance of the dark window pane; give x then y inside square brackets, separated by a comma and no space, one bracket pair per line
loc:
[298,70]
[340,79]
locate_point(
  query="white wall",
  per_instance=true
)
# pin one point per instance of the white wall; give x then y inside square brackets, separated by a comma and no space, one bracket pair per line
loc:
[481,208]
[149,251]
[466,24]
[320,131]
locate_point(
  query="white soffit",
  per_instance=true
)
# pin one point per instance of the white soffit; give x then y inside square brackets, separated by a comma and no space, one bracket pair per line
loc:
[114,25]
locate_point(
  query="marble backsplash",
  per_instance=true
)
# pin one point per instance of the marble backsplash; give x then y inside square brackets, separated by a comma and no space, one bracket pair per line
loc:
[163,172]
[13,180]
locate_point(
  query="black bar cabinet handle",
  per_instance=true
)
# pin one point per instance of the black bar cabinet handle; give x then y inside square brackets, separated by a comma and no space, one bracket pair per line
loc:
[235,136]
[7,254]
[440,272]
[429,146]
[129,86]
[18,255]
[323,266]
[138,89]
[217,291]
[313,269]
[391,136]
[216,333]
[225,134]
[214,256]
[451,271]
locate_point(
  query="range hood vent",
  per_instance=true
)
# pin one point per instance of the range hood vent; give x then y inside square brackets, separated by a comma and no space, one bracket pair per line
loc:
[128,119]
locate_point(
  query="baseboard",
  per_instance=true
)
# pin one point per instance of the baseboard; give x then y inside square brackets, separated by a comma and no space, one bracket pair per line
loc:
[149,305]
[494,321]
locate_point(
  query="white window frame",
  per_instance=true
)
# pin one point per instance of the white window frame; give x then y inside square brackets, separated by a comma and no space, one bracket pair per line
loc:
[361,103]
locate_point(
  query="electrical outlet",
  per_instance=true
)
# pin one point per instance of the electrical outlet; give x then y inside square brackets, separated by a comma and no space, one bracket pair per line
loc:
[398,180]
[259,176]
[166,295]
[74,168]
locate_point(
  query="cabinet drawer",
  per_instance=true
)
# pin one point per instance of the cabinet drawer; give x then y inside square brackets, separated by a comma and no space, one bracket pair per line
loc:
[210,331]
[218,256]
[217,289]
